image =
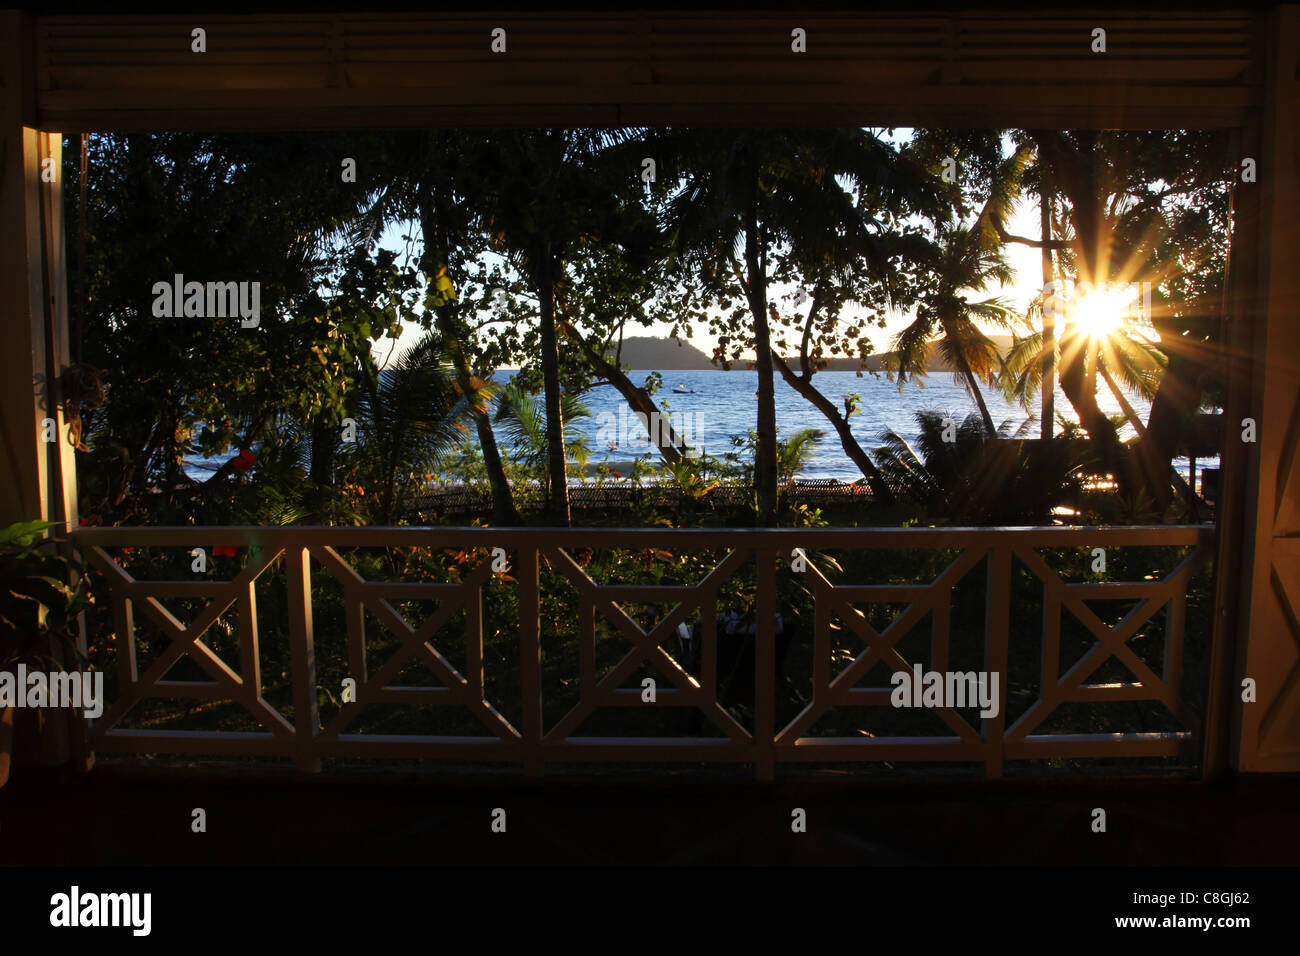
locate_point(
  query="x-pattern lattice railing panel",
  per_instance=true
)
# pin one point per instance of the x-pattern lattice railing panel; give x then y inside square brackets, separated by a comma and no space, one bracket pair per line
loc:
[920,600]
[1169,593]
[763,564]
[993,743]
[186,642]
[608,600]
[459,689]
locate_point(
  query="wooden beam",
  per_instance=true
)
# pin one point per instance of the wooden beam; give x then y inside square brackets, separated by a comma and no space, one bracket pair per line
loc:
[1270,727]
[23,458]
[1241,327]
[37,477]
[1170,70]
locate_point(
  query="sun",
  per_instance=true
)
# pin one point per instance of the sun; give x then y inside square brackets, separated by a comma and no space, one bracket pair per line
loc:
[1101,312]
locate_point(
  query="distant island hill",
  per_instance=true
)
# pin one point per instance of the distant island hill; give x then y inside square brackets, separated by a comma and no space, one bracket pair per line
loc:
[643,352]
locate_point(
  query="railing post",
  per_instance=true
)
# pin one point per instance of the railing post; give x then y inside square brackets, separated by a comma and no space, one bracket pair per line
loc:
[1220,723]
[765,667]
[302,639]
[997,625]
[530,650]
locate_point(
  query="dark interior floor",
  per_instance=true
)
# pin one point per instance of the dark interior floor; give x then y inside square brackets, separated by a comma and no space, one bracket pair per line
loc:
[124,815]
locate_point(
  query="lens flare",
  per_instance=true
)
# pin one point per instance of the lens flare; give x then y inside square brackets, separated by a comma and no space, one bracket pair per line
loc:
[1102,312]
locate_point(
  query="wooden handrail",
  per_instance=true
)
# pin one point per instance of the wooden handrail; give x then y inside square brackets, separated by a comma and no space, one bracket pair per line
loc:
[440,536]
[751,735]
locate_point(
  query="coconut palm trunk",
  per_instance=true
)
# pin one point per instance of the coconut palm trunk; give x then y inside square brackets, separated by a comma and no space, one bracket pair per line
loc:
[951,330]
[503,503]
[1075,172]
[1152,469]
[1047,420]
[974,388]
[558,499]
[765,466]
[1078,378]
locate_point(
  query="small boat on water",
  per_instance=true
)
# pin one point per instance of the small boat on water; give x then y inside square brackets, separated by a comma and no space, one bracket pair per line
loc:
[683,390]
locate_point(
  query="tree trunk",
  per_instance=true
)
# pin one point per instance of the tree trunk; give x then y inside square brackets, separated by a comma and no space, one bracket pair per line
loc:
[1151,476]
[841,425]
[952,330]
[322,453]
[558,499]
[1102,434]
[979,400]
[1076,174]
[1077,171]
[1074,382]
[765,465]
[1047,418]
[503,504]
[665,438]
[1176,400]
[1159,475]
[1180,392]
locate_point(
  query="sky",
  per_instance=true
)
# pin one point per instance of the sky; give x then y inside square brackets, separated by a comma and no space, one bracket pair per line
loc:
[1025,262]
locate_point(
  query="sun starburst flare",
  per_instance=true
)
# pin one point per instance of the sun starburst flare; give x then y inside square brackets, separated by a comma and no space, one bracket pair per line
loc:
[1102,312]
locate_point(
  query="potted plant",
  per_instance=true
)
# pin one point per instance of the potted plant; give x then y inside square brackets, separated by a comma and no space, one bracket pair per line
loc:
[41,595]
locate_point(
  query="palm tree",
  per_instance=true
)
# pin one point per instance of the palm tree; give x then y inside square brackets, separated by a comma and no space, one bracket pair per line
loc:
[722,209]
[961,259]
[1124,357]
[544,194]
[1121,354]
[964,259]
[522,421]
[792,454]
[756,204]
[1172,236]
[409,416]
[965,473]
[428,181]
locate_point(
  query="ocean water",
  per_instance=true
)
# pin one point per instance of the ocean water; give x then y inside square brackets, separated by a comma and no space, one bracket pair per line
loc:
[719,404]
